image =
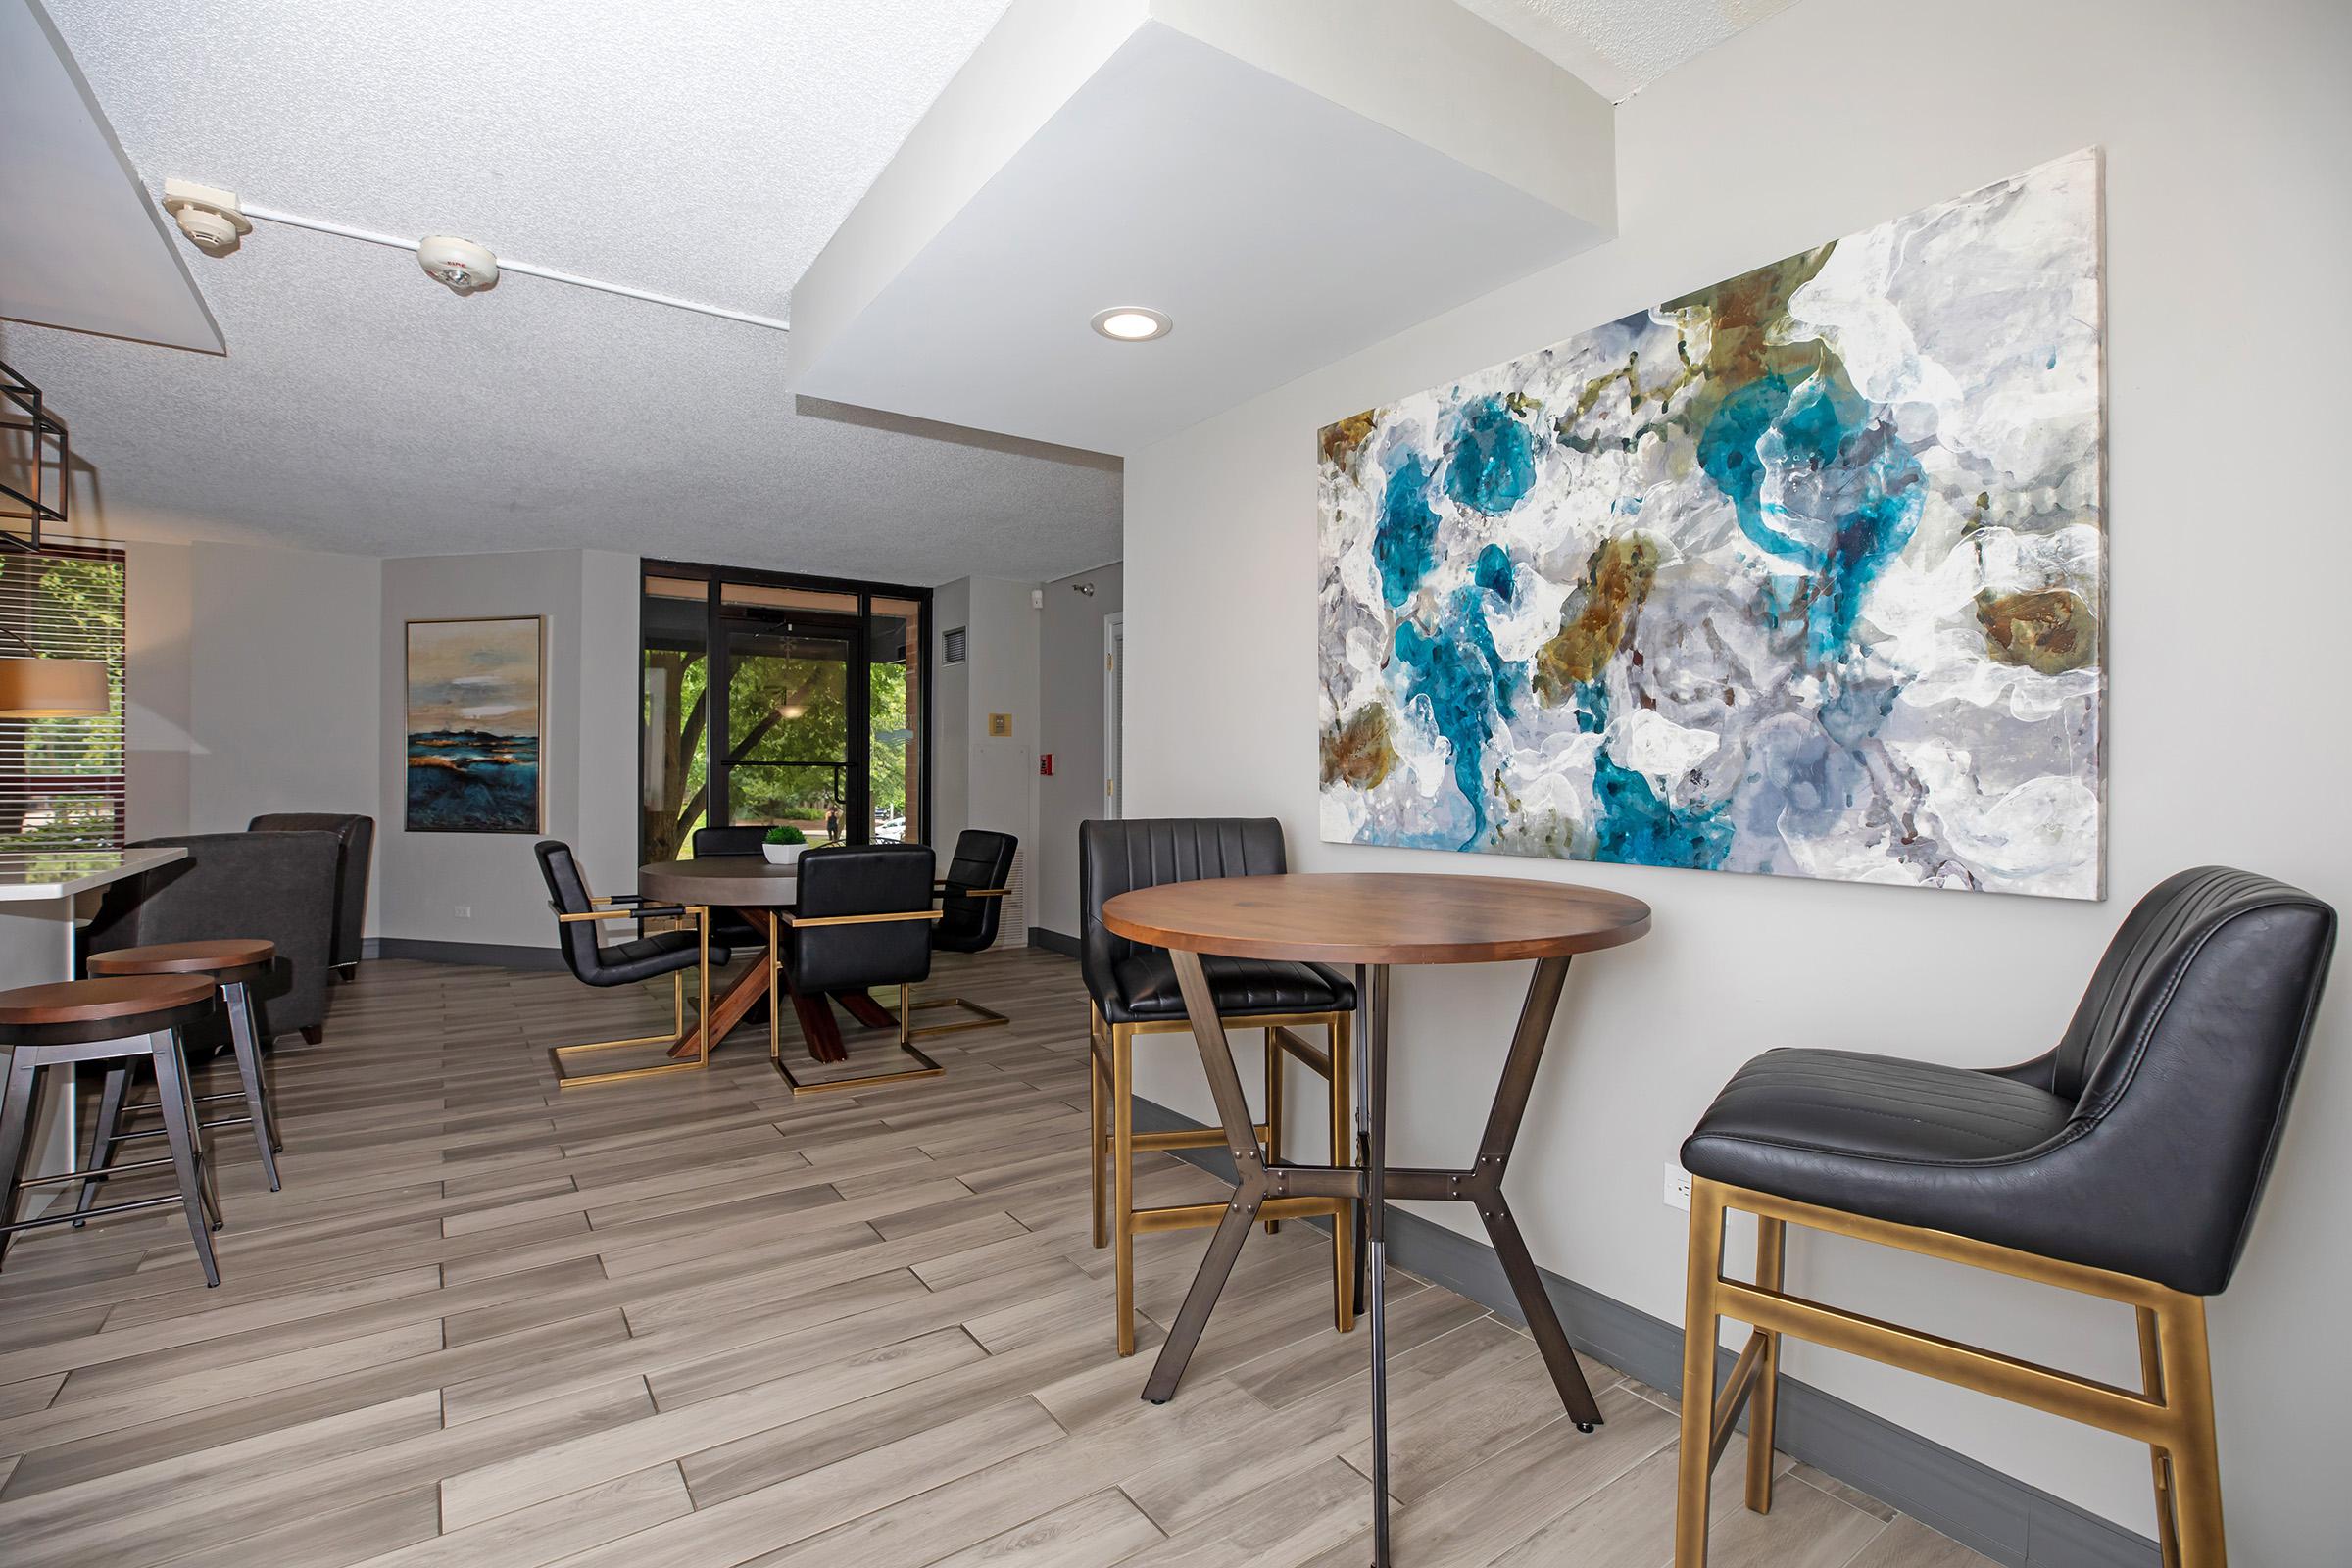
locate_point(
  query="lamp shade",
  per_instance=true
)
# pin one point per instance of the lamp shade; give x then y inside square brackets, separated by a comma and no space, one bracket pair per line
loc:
[53,688]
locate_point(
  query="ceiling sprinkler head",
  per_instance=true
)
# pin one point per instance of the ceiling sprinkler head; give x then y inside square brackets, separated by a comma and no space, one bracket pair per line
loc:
[459,263]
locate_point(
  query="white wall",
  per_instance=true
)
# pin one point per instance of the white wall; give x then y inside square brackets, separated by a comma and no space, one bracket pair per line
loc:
[610,715]
[587,749]
[997,785]
[1071,675]
[2224,130]
[264,679]
[282,672]
[950,715]
[159,695]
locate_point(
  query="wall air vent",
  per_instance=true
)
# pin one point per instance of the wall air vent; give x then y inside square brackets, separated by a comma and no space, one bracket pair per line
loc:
[953,641]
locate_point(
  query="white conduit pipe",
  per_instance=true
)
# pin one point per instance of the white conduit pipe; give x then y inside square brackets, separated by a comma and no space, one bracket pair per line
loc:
[270,215]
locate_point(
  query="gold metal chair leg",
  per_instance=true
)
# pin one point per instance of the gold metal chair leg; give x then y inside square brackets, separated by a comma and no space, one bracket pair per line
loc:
[924,1067]
[557,1055]
[1274,1079]
[1095,1135]
[1122,1177]
[2160,1459]
[981,1017]
[1342,1153]
[2172,1414]
[1763,1407]
[1699,1329]
[2194,1456]
[776,1021]
[702,995]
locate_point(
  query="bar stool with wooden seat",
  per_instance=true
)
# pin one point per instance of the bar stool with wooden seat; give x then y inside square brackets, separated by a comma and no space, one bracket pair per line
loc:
[120,1020]
[232,966]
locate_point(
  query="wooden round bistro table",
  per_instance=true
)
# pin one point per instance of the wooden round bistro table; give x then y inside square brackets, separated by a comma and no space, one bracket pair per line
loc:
[755,889]
[1373,920]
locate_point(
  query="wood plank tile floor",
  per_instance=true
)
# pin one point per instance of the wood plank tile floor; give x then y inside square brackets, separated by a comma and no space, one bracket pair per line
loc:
[689,1320]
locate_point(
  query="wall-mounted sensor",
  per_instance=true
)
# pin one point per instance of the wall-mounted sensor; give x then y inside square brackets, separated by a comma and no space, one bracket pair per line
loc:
[459,263]
[210,218]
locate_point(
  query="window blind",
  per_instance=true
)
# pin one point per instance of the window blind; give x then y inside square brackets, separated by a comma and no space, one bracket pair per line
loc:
[61,779]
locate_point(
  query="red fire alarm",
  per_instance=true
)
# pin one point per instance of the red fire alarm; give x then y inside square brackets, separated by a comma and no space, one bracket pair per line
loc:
[1045,763]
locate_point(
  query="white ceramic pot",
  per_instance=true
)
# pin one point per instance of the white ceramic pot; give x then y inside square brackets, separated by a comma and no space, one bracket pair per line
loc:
[782,854]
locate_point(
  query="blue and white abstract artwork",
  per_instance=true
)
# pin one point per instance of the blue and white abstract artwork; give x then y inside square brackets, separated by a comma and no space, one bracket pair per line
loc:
[1801,575]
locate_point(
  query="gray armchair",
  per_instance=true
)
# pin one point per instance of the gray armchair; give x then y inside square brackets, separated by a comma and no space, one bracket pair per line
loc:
[279,887]
[355,838]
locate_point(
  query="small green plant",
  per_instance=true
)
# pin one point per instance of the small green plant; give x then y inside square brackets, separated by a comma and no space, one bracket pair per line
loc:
[786,833]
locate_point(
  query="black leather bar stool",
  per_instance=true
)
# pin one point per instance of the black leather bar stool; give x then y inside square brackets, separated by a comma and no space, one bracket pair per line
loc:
[1135,994]
[2125,1164]
[232,966]
[117,1021]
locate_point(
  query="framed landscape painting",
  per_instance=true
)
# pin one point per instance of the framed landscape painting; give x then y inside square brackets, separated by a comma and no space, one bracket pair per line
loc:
[1801,575]
[475,701]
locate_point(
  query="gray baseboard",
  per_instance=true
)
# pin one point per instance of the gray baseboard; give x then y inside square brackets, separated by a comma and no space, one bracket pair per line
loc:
[499,955]
[1053,942]
[2004,1518]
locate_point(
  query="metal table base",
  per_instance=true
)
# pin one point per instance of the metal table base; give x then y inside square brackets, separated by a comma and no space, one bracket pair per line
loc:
[1373,1184]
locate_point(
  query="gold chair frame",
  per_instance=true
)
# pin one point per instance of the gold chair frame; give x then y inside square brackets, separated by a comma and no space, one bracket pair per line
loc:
[925,1067]
[1110,1076]
[2172,1413]
[701,915]
[981,1017]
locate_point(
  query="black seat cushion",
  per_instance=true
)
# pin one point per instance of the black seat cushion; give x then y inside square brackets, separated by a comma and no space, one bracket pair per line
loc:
[1909,1141]
[1794,1120]
[625,963]
[1144,989]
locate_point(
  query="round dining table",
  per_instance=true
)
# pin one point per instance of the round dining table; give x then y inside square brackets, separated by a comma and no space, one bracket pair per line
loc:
[1370,921]
[756,889]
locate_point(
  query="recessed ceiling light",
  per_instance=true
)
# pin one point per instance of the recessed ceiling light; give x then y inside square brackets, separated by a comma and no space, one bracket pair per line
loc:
[1132,323]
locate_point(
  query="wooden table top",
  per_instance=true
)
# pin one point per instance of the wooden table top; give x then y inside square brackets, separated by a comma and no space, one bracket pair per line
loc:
[1378,917]
[94,1001]
[184,958]
[737,881]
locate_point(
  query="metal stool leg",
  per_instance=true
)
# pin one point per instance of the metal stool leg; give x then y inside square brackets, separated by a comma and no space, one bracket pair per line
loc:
[242,1035]
[15,1131]
[1274,1087]
[107,1134]
[187,1153]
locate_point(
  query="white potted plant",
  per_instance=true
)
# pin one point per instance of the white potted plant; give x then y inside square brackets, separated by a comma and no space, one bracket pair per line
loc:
[784,845]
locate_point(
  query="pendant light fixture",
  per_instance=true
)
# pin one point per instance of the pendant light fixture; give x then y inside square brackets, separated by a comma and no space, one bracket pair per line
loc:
[34,687]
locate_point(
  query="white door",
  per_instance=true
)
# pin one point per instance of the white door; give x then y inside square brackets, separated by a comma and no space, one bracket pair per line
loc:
[1114,675]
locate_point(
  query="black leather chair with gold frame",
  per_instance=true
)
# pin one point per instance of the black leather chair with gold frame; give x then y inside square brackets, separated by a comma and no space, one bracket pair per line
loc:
[1133,992]
[971,907]
[862,919]
[728,927]
[2125,1164]
[646,956]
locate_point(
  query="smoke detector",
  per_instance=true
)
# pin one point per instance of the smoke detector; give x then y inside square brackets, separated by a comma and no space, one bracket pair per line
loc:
[459,263]
[211,218]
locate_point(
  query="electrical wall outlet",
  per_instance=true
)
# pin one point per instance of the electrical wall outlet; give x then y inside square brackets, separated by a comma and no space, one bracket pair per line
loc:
[1677,1186]
[465,913]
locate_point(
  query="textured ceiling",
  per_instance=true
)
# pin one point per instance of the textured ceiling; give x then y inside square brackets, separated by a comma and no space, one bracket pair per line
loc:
[1621,46]
[706,149]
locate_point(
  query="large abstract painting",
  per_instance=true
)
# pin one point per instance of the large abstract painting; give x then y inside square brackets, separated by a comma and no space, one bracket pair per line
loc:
[1798,574]
[474,725]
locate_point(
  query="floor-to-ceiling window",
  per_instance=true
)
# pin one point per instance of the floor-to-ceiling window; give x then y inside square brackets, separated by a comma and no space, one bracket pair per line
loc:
[772,699]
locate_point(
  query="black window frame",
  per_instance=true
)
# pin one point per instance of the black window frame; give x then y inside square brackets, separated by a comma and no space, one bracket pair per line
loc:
[857,785]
